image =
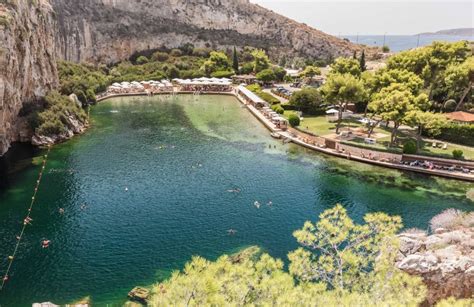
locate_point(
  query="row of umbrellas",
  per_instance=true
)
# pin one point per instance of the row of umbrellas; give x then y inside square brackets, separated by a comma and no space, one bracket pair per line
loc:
[204,81]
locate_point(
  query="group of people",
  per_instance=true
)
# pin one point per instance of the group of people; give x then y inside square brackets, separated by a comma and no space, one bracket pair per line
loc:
[204,88]
[430,165]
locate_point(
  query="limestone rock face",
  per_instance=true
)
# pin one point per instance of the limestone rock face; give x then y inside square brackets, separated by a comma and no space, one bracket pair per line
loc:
[27,62]
[111,30]
[35,34]
[445,261]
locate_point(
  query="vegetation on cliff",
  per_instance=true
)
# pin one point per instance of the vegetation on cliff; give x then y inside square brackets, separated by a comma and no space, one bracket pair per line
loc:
[339,262]
[59,116]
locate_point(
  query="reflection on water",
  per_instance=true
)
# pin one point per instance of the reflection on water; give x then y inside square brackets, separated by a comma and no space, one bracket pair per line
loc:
[147,187]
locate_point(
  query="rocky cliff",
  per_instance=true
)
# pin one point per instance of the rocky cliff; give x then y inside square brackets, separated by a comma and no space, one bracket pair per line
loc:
[35,33]
[27,62]
[444,259]
[111,30]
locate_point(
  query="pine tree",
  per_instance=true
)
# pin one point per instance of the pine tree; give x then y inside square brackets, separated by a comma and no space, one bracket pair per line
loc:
[363,67]
[235,62]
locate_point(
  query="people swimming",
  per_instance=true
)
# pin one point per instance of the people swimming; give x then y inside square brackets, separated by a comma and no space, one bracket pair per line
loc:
[231,232]
[237,190]
[257,204]
[270,203]
[126,189]
[83,207]
[27,220]
[61,211]
[45,243]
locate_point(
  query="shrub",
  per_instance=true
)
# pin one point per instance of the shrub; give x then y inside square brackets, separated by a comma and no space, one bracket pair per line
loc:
[278,108]
[266,75]
[176,53]
[254,88]
[294,120]
[202,52]
[222,74]
[458,154]
[308,99]
[447,219]
[385,49]
[268,98]
[409,147]
[459,134]
[142,60]
[246,68]
[160,56]
[54,119]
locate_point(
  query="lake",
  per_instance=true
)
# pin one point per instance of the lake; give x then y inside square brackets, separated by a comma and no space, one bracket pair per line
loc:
[146,187]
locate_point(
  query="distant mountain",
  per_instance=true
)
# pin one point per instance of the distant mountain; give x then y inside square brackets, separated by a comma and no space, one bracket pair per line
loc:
[454,32]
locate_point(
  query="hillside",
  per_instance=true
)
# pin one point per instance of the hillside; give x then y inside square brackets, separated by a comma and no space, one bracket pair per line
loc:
[108,31]
[469,32]
[35,34]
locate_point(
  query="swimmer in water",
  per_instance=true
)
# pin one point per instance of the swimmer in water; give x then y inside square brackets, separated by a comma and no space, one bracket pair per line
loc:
[270,203]
[45,243]
[61,211]
[231,232]
[257,204]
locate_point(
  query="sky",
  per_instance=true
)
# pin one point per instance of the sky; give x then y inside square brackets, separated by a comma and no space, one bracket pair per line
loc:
[376,17]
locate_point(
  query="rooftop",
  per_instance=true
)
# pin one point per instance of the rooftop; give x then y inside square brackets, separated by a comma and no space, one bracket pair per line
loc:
[461,116]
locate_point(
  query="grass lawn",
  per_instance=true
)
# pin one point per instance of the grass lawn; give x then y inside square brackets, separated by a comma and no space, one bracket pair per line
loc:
[319,125]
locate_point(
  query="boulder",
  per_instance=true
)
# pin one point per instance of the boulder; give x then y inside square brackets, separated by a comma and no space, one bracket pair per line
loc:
[139,294]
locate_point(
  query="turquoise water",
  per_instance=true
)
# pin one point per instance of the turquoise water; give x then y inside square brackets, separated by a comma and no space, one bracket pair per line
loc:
[178,158]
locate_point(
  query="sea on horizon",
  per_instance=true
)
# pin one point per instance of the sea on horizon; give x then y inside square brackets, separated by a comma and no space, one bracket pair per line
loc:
[398,43]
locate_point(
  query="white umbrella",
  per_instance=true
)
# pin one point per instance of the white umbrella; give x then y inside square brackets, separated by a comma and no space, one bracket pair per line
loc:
[332,111]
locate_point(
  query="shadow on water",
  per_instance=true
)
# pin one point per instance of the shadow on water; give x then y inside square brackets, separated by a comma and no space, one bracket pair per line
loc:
[19,158]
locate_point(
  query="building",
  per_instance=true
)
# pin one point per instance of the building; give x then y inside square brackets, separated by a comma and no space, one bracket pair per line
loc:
[461,117]
[245,79]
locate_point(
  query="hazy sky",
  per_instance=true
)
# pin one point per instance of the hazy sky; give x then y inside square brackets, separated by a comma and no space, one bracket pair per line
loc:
[376,16]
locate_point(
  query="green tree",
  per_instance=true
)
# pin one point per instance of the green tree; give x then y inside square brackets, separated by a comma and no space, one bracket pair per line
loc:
[342,90]
[307,100]
[459,81]
[364,253]
[346,66]
[235,60]
[266,75]
[385,49]
[280,73]
[310,72]
[217,61]
[362,64]
[393,104]
[339,252]
[260,60]
[425,121]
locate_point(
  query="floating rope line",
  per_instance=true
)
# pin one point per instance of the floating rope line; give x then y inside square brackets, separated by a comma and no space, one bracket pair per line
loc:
[26,221]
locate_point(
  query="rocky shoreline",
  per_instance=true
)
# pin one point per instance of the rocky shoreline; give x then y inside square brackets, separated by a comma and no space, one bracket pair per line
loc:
[444,259]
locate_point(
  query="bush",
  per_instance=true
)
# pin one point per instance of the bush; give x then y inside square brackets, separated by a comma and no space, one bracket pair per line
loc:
[222,74]
[246,68]
[176,53]
[268,98]
[142,60]
[254,88]
[385,49]
[54,119]
[278,108]
[266,75]
[459,134]
[308,99]
[294,120]
[449,219]
[160,56]
[202,52]
[458,154]
[409,148]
